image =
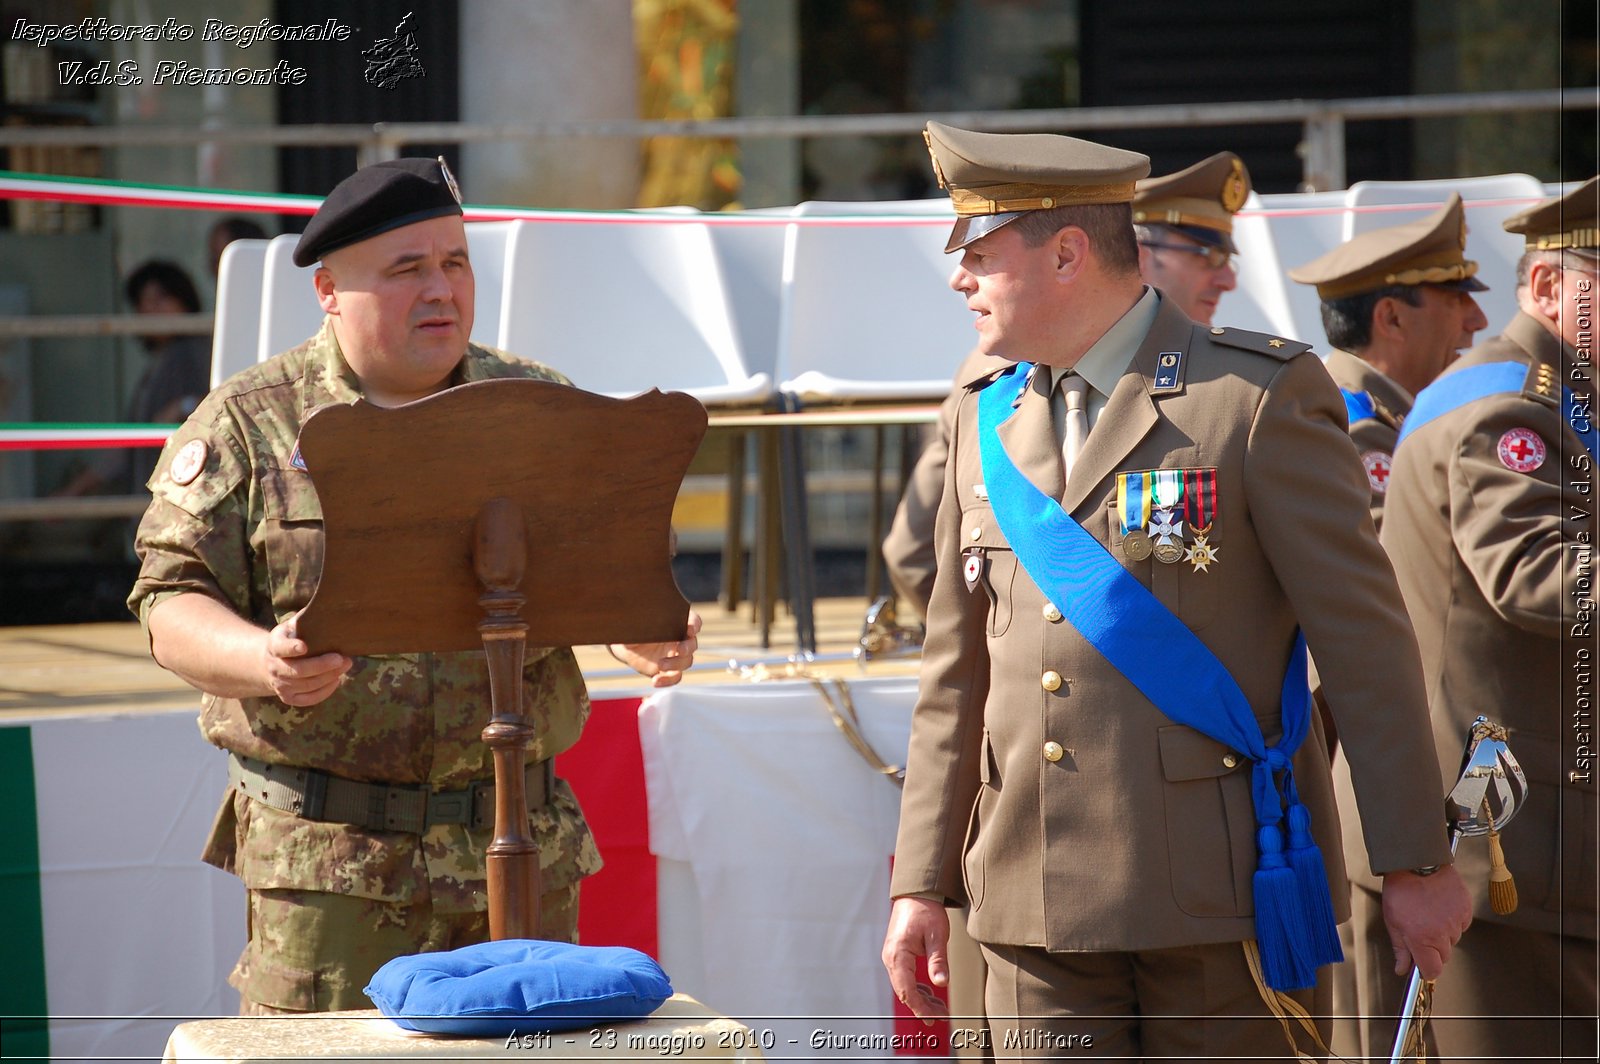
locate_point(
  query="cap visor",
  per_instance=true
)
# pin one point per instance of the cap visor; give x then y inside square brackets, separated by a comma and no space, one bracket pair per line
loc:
[976,226]
[1212,237]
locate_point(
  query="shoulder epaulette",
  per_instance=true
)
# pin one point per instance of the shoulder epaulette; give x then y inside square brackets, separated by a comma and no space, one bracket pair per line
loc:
[1261,343]
[1541,384]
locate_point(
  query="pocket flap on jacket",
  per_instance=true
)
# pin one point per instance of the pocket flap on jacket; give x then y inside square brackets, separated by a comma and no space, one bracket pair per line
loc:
[1188,755]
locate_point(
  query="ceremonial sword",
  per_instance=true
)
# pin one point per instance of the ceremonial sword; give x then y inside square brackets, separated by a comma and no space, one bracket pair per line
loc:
[1489,792]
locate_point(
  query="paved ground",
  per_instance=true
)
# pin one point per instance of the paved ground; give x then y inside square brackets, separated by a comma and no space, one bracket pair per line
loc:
[107,668]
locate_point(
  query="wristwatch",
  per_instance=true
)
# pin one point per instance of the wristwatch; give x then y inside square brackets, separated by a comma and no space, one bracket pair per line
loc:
[1426,870]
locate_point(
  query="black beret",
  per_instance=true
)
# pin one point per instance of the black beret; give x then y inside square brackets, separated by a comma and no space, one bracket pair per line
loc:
[376,199]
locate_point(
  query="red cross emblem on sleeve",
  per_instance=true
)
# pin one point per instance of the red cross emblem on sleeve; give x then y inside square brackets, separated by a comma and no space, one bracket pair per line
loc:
[1378,466]
[1521,450]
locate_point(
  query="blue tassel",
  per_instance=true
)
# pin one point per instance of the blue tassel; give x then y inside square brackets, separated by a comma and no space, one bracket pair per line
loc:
[1281,931]
[1322,933]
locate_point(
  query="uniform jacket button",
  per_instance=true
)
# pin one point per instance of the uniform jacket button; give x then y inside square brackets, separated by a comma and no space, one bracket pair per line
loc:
[1229,761]
[1051,614]
[1051,680]
[1053,751]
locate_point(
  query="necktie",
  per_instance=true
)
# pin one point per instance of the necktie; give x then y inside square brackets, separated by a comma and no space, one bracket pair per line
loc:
[1074,389]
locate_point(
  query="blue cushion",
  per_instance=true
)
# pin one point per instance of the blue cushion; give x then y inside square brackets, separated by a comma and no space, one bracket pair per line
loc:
[493,988]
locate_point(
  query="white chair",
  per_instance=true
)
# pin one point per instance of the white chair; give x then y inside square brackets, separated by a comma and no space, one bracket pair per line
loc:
[866,315]
[750,259]
[1260,302]
[290,314]
[1487,201]
[486,246]
[867,312]
[628,305]
[1301,226]
[236,328]
[622,307]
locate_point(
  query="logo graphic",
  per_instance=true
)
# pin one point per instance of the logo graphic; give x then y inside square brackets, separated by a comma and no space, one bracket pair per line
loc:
[1378,466]
[1521,450]
[392,59]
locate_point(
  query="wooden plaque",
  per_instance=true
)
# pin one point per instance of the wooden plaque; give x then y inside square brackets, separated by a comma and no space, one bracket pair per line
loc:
[401,489]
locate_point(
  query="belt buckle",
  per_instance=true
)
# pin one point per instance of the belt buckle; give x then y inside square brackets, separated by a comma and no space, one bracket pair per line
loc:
[452,807]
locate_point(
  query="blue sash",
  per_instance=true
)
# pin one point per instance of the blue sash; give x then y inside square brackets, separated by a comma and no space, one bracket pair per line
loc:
[1461,388]
[1358,405]
[1151,647]
[1495,378]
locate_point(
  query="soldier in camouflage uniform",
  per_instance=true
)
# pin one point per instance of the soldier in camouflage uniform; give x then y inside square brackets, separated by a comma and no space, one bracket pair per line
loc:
[347,865]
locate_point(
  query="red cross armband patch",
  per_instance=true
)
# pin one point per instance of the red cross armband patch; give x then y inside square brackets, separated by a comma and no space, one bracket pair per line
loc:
[1378,465]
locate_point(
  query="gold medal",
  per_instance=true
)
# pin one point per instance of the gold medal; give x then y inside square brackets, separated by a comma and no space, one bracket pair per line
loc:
[1201,554]
[1136,545]
[1168,551]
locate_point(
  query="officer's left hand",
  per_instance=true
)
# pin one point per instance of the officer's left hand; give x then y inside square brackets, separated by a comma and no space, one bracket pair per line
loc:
[1426,916]
[662,662]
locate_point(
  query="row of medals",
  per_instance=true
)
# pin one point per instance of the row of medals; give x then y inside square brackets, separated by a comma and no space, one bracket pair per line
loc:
[1167,545]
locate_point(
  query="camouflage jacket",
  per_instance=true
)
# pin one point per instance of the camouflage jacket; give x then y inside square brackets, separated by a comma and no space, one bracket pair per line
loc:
[247,531]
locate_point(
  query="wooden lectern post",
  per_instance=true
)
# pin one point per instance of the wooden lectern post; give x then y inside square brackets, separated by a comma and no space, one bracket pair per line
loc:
[427,510]
[500,557]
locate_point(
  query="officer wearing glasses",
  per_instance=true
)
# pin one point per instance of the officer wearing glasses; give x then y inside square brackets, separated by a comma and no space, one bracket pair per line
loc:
[1184,225]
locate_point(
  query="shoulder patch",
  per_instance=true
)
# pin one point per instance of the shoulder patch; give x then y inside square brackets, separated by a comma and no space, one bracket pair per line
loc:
[1378,464]
[1278,347]
[1521,450]
[197,471]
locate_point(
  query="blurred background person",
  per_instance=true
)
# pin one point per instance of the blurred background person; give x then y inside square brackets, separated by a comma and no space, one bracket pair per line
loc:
[172,385]
[225,232]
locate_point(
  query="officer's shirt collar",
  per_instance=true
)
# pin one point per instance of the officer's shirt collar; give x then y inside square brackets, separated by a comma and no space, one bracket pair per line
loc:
[1111,355]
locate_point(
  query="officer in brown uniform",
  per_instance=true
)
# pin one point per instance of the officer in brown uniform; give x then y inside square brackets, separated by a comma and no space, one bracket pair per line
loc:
[1184,224]
[1491,525]
[358,814]
[1113,692]
[1397,307]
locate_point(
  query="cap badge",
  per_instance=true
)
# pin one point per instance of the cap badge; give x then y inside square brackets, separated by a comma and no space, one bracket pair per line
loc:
[1233,190]
[450,179]
[188,462]
[1521,450]
[938,172]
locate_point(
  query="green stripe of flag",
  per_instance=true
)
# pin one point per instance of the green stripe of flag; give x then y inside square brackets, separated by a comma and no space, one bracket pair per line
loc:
[22,991]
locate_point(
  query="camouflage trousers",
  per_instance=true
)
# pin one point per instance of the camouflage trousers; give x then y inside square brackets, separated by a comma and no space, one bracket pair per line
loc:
[311,951]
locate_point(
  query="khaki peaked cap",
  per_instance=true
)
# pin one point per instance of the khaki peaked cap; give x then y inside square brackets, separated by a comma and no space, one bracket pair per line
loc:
[1426,251]
[1200,200]
[995,178]
[1564,222]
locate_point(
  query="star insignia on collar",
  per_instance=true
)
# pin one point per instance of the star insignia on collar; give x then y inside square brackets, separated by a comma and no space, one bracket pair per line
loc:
[1274,342]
